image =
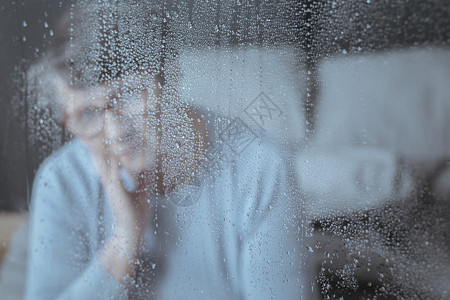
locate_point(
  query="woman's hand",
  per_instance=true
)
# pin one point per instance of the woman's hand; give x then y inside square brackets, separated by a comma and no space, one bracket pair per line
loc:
[131,214]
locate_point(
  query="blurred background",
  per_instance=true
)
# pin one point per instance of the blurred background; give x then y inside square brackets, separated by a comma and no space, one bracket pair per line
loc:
[363,89]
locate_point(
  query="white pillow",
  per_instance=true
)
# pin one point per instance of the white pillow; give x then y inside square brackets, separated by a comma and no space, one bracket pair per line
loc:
[399,101]
[262,86]
[349,179]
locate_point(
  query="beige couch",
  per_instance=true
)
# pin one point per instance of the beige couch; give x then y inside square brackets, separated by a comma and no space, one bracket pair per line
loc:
[13,254]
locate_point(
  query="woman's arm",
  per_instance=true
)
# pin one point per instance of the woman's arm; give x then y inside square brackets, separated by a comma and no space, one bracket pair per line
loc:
[62,263]
[131,213]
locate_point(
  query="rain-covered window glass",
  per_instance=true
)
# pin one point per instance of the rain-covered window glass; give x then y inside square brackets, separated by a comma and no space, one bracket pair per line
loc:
[225,149]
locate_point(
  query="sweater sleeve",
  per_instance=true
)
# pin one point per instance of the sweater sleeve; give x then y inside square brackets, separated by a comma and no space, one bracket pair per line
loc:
[62,264]
[271,254]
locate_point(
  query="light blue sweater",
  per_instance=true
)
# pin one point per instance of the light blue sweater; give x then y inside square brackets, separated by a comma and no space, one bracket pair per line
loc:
[234,237]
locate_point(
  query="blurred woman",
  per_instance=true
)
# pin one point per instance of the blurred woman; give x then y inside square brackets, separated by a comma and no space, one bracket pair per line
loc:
[107,221]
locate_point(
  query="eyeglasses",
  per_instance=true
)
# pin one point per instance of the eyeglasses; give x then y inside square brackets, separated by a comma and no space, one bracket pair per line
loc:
[88,121]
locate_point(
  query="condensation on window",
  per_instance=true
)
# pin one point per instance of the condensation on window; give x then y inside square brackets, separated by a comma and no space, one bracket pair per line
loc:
[225,149]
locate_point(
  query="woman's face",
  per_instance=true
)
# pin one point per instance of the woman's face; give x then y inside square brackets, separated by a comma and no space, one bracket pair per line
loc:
[119,118]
